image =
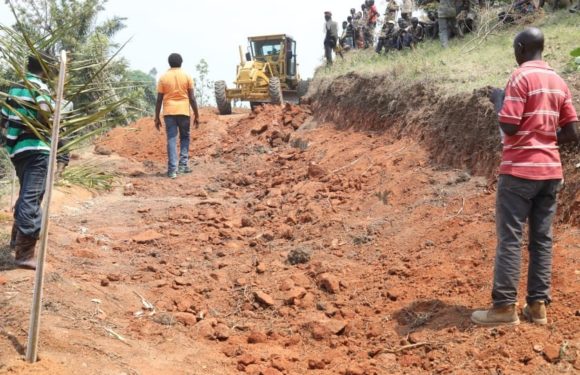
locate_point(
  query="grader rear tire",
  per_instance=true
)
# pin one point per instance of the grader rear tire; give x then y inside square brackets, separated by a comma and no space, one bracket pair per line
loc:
[221,98]
[275,90]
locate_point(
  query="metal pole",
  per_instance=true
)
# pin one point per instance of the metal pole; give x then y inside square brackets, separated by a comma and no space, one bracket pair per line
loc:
[34,330]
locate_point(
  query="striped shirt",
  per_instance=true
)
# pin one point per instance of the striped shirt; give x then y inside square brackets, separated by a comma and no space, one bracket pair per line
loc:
[539,102]
[21,105]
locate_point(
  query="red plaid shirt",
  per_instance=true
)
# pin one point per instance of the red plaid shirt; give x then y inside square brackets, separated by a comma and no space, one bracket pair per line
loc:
[538,101]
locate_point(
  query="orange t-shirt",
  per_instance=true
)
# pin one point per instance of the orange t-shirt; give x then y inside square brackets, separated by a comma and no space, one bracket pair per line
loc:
[175,85]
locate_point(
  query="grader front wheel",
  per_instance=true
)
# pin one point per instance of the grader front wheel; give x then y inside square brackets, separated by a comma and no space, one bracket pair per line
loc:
[224,105]
[275,91]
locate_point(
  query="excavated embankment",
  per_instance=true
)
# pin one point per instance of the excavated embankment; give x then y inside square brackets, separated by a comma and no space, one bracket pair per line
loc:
[459,131]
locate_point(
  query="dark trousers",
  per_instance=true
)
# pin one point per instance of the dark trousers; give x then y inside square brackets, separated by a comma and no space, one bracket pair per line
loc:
[32,172]
[329,45]
[384,43]
[174,126]
[519,200]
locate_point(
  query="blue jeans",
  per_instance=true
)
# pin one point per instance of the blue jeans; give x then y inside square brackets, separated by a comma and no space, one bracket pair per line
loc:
[175,125]
[32,172]
[519,200]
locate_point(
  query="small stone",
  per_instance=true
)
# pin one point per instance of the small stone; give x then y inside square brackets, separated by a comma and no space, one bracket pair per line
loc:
[392,296]
[261,268]
[315,171]
[552,353]
[247,359]
[257,338]
[247,222]
[222,332]
[129,190]
[242,281]
[268,236]
[538,348]
[323,329]
[102,150]
[205,328]
[293,295]
[286,285]
[185,318]
[181,281]
[264,299]
[147,236]
[329,283]
[316,364]
[152,268]
[114,277]
[280,364]
[3,280]
[259,129]
[105,282]
[286,232]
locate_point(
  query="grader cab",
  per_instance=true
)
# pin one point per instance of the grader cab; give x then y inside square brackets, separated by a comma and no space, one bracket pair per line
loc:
[268,73]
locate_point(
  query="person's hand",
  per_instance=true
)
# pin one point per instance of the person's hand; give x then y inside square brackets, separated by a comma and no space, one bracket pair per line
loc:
[196,122]
[158,124]
[497,95]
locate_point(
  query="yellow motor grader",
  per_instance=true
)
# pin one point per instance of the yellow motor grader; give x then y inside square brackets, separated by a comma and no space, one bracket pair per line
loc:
[268,73]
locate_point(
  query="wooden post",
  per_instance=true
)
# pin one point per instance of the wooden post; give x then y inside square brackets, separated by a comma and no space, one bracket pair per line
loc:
[12,190]
[34,330]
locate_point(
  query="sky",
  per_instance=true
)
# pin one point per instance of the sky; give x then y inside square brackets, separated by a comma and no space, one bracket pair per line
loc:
[213,30]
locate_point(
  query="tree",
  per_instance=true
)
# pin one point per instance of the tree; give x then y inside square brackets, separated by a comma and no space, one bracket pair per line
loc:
[95,79]
[86,39]
[203,85]
[142,94]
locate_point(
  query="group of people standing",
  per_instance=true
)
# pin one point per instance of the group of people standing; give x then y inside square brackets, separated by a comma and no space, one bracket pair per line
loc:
[406,31]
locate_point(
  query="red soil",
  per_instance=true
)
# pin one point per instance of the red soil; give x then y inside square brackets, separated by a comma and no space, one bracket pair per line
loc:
[401,250]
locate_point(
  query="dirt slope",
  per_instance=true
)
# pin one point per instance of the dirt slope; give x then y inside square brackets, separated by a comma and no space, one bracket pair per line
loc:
[293,248]
[457,130]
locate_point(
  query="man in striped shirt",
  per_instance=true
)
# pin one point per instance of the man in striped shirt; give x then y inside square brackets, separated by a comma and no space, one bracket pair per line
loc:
[28,102]
[536,115]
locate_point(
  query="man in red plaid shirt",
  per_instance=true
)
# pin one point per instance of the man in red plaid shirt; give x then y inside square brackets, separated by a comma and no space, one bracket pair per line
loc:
[536,115]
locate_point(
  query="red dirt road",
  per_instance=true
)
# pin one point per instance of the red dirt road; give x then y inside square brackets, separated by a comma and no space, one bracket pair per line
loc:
[292,248]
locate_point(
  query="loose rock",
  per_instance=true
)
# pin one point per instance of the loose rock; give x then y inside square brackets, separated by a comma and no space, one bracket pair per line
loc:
[329,283]
[552,353]
[257,338]
[264,299]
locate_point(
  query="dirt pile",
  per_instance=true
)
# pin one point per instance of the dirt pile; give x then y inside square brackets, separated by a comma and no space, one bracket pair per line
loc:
[292,248]
[141,141]
[459,131]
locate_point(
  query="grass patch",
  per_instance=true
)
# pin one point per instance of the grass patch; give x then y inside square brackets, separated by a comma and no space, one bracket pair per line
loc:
[90,175]
[457,69]
[6,257]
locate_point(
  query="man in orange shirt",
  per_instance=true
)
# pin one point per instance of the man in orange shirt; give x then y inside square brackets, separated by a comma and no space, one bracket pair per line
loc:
[175,95]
